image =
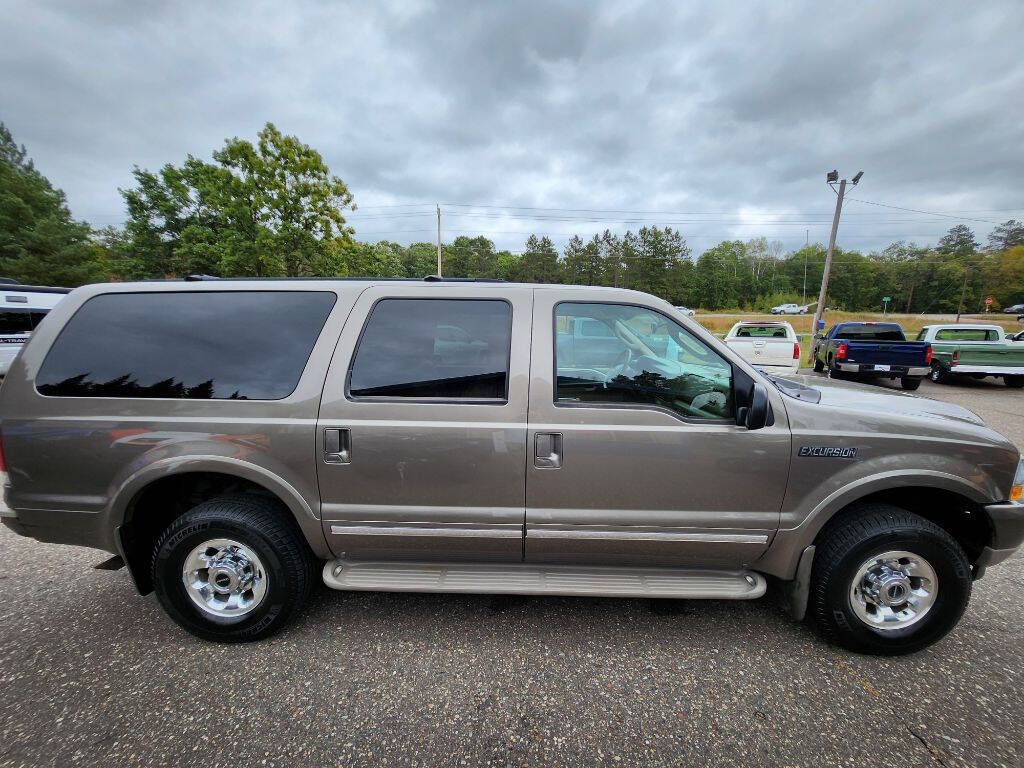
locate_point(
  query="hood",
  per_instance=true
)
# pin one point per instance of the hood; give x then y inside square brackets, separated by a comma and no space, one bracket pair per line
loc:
[863,397]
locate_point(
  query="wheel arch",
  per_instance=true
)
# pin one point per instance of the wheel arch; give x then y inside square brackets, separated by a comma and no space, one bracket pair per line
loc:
[153,497]
[951,502]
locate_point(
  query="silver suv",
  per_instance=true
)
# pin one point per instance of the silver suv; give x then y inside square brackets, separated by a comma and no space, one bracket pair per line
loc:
[229,440]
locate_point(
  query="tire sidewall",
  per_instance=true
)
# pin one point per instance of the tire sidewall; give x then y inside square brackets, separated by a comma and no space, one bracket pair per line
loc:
[952,572]
[170,589]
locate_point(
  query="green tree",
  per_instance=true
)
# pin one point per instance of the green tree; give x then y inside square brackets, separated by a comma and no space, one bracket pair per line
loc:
[39,241]
[1006,235]
[266,209]
[539,263]
[959,241]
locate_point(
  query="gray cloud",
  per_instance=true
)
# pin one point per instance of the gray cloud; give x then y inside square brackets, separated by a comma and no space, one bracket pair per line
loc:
[732,111]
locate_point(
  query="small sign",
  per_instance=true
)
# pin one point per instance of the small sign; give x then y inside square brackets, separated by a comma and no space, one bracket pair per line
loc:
[887,298]
[988,301]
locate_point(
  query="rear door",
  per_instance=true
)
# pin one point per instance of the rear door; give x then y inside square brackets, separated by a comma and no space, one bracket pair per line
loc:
[421,438]
[640,462]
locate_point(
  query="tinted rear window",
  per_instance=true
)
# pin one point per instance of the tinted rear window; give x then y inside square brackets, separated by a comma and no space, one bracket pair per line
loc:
[450,349]
[20,319]
[869,333]
[761,331]
[195,345]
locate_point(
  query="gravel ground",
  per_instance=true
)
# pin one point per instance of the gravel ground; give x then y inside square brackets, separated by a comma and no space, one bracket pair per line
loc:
[90,673]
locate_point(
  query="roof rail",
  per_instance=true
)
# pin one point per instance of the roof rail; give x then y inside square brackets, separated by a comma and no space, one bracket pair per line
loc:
[439,279]
[428,279]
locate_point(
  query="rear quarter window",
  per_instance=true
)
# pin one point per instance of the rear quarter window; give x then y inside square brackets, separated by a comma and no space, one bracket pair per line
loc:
[200,345]
[966,334]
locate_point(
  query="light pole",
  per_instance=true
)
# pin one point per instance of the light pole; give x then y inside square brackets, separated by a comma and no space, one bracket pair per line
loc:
[831,178]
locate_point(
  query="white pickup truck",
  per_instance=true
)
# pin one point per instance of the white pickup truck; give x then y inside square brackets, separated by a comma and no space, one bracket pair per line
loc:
[770,345]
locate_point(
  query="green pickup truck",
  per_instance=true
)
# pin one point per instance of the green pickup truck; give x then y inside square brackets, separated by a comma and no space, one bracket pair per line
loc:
[973,350]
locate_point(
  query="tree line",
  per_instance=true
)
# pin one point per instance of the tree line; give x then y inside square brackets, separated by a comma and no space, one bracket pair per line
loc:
[272,208]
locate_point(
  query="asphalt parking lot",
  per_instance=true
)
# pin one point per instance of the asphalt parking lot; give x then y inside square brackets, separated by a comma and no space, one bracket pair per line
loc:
[90,673]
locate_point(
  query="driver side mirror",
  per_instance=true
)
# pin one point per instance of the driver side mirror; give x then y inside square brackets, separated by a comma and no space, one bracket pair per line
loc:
[755,415]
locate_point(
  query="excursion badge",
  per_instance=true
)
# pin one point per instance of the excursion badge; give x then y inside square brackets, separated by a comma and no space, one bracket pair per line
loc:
[827,452]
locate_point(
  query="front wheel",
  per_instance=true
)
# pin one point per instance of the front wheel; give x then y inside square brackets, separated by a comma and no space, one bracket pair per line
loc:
[938,373]
[232,569]
[818,365]
[1016,382]
[910,383]
[886,581]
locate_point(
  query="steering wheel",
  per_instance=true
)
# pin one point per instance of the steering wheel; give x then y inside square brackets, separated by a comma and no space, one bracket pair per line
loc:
[621,363]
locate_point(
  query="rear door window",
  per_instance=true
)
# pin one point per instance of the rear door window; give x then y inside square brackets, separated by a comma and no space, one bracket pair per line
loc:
[230,345]
[434,349]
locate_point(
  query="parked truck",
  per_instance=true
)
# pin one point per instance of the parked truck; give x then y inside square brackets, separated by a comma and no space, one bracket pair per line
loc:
[872,351]
[973,350]
[772,345]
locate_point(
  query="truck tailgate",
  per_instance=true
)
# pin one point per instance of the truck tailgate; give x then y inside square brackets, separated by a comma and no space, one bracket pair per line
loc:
[992,355]
[909,353]
[776,352]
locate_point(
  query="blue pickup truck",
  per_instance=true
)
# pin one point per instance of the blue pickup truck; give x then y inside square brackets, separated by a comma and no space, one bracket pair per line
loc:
[875,350]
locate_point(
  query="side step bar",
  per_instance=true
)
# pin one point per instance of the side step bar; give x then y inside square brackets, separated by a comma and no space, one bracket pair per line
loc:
[529,579]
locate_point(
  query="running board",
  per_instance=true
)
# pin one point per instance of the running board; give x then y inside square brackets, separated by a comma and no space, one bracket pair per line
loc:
[528,579]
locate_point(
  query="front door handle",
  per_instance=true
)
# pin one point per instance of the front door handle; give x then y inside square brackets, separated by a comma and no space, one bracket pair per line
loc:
[547,450]
[337,445]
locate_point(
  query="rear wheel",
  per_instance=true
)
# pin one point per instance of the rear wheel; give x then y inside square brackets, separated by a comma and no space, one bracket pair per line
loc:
[1014,381]
[232,569]
[886,581]
[910,383]
[938,373]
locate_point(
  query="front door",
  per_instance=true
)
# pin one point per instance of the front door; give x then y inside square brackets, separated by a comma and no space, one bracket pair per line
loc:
[421,437]
[639,461]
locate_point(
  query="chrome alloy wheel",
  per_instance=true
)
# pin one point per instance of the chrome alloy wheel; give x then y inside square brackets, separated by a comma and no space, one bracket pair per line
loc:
[893,590]
[224,578]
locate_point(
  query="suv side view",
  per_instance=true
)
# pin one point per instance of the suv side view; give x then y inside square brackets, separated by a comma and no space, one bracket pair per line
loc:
[232,441]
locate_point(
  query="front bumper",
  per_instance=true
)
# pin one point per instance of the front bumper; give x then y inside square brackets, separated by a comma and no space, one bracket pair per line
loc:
[892,371]
[1007,519]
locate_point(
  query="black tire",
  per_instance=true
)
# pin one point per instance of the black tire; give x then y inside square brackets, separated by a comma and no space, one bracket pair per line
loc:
[910,383]
[266,527]
[938,373]
[831,371]
[868,531]
[818,365]
[1015,382]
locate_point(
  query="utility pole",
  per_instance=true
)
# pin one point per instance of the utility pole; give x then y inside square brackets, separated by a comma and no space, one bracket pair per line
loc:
[830,179]
[438,240]
[807,243]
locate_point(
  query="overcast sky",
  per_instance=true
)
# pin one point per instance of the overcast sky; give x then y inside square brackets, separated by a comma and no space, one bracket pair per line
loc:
[720,119]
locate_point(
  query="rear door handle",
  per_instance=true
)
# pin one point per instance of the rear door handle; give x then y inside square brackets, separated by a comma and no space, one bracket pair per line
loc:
[547,450]
[337,445]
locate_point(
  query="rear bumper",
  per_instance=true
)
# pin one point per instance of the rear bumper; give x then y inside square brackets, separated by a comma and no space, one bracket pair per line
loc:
[895,371]
[83,529]
[985,370]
